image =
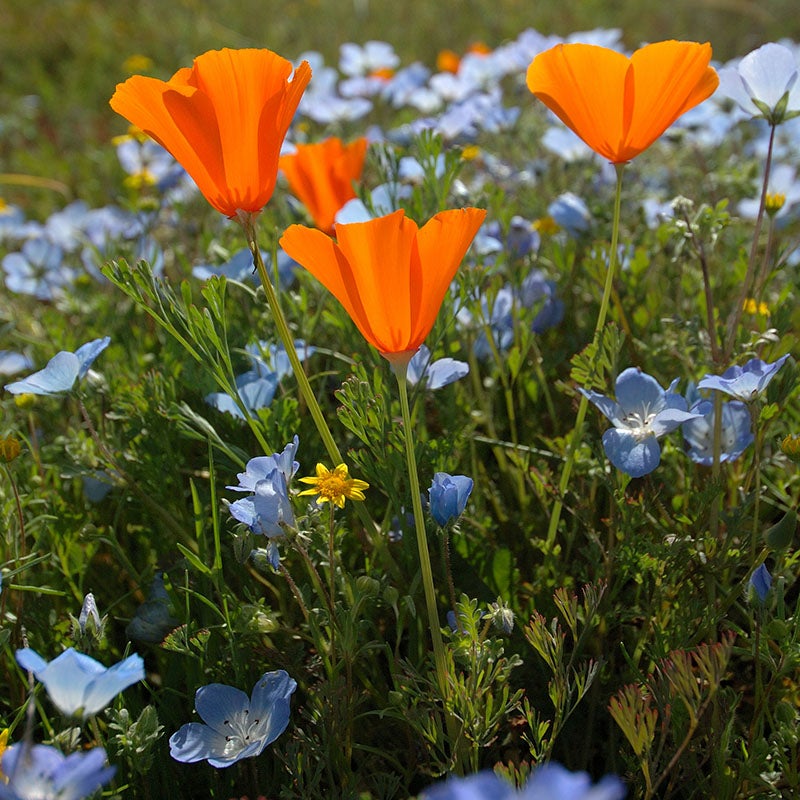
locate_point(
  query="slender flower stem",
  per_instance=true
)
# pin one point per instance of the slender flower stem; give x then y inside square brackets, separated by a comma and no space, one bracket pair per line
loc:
[400,370]
[566,471]
[738,308]
[287,340]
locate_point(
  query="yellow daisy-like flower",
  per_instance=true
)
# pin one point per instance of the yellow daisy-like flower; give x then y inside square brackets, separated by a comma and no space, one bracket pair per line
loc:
[335,485]
[3,747]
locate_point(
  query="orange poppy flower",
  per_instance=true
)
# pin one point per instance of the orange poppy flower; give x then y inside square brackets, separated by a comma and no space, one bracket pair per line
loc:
[389,275]
[618,105]
[224,119]
[322,175]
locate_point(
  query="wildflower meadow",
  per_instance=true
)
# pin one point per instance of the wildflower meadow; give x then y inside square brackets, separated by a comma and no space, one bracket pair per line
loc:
[376,427]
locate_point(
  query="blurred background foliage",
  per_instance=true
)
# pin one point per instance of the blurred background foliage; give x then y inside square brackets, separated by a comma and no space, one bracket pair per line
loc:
[60,59]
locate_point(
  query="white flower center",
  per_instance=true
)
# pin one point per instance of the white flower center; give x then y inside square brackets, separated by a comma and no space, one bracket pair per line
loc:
[638,423]
[241,731]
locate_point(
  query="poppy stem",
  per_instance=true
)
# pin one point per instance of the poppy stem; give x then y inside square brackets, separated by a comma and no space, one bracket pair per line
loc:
[574,439]
[288,345]
[400,369]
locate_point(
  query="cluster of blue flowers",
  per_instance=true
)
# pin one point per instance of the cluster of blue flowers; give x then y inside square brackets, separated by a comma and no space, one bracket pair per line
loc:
[644,412]
[267,510]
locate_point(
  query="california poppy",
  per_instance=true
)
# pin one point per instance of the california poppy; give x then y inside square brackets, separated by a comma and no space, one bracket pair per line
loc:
[321,175]
[618,105]
[389,275]
[224,119]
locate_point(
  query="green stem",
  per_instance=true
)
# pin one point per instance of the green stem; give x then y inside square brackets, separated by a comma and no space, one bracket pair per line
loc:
[738,308]
[566,471]
[400,370]
[287,340]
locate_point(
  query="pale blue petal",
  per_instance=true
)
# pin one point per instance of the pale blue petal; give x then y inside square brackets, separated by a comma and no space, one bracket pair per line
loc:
[224,403]
[634,457]
[80,775]
[104,688]
[58,376]
[635,389]
[270,705]
[196,742]
[445,371]
[480,786]
[30,660]
[217,702]
[87,353]
[670,418]
[554,782]
[607,406]
[418,364]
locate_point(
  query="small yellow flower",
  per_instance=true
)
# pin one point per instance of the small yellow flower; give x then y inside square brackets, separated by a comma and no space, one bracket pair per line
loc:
[546,226]
[3,746]
[790,447]
[24,400]
[137,63]
[470,152]
[140,180]
[774,202]
[752,307]
[335,485]
[9,450]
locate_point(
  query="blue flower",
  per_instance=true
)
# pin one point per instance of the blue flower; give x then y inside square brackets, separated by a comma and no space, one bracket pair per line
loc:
[760,582]
[236,726]
[254,392]
[38,771]
[153,619]
[549,782]
[268,507]
[448,496]
[571,213]
[436,374]
[62,370]
[642,413]
[699,433]
[77,684]
[37,269]
[259,468]
[11,363]
[744,383]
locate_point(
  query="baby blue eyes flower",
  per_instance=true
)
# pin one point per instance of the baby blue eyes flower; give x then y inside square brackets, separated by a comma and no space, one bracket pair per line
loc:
[78,685]
[764,83]
[642,413]
[236,726]
[699,433]
[448,496]
[760,582]
[39,772]
[436,374]
[744,383]
[62,371]
[259,468]
[549,782]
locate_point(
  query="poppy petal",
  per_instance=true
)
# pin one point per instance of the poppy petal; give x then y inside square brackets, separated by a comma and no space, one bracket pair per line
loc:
[320,255]
[442,243]
[583,85]
[669,78]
